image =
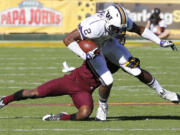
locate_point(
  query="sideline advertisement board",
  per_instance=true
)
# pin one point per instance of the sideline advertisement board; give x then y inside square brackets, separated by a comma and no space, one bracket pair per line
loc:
[62,16]
[42,16]
[140,12]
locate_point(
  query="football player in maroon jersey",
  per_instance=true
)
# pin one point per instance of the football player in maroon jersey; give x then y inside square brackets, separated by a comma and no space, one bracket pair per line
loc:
[79,84]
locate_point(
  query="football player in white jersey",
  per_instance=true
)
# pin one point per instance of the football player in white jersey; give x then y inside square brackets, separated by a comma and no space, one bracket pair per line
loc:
[157,25]
[108,29]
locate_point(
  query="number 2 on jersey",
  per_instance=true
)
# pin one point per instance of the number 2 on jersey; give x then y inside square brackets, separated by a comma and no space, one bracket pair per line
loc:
[87,31]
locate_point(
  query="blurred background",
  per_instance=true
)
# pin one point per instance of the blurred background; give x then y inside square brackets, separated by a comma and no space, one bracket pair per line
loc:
[51,20]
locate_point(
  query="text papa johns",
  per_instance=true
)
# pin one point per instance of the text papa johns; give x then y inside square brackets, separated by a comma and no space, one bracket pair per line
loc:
[30,16]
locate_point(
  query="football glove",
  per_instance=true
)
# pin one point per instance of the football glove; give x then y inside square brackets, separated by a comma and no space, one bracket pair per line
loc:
[168,44]
[66,68]
[92,54]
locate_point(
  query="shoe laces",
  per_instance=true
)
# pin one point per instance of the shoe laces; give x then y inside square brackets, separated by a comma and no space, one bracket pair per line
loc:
[55,117]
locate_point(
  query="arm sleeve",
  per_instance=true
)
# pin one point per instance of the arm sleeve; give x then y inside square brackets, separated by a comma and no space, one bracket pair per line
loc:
[130,24]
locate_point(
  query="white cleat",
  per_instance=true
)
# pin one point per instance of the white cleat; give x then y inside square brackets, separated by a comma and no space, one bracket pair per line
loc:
[2,104]
[171,96]
[102,111]
[53,117]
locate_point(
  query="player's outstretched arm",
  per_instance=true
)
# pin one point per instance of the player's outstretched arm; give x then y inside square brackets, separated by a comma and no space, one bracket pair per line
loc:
[146,33]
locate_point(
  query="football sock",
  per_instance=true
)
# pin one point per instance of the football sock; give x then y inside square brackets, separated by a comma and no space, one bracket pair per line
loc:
[8,99]
[156,86]
[68,117]
[102,99]
[18,95]
[14,97]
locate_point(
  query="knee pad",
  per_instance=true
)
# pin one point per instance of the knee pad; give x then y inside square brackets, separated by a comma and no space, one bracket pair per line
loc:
[133,71]
[132,66]
[132,62]
[106,78]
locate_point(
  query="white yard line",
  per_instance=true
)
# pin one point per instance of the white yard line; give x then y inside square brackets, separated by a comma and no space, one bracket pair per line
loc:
[89,130]
[26,68]
[30,74]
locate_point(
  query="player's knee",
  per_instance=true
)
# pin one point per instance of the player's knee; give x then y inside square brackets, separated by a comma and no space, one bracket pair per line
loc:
[85,111]
[135,71]
[132,66]
[106,78]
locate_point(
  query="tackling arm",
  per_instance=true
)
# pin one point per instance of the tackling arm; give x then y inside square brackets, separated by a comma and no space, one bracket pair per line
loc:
[146,33]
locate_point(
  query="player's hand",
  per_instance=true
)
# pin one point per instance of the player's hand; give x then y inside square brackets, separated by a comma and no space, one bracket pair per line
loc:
[93,53]
[168,44]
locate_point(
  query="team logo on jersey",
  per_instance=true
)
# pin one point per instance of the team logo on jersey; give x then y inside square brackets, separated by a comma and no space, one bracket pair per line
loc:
[30,13]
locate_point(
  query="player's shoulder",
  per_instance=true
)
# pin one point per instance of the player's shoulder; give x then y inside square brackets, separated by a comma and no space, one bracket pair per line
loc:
[93,26]
[93,20]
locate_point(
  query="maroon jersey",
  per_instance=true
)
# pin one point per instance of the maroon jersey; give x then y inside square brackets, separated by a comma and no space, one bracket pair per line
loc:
[84,75]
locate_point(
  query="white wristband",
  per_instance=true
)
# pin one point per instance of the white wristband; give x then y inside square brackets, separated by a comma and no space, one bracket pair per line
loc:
[74,47]
[151,36]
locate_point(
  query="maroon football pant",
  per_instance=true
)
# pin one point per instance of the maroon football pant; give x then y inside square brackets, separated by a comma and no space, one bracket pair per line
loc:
[81,95]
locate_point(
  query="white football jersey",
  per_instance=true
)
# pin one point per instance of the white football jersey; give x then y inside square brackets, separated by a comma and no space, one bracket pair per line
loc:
[93,28]
[161,23]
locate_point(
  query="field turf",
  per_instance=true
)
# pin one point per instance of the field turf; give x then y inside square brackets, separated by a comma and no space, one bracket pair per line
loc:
[134,109]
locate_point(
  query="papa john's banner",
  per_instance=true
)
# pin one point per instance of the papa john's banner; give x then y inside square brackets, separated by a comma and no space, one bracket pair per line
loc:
[42,16]
[62,16]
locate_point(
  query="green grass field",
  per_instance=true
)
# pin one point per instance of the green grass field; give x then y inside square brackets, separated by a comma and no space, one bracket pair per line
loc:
[29,67]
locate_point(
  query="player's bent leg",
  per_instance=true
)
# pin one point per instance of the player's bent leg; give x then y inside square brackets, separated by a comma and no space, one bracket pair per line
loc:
[148,79]
[132,66]
[83,113]
[145,77]
[83,102]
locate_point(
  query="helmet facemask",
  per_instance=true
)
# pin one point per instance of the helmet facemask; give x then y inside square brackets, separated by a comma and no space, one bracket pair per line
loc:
[117,32]
[116,21]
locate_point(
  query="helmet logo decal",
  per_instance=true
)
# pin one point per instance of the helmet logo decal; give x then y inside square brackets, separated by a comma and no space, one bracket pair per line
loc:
[108,16]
